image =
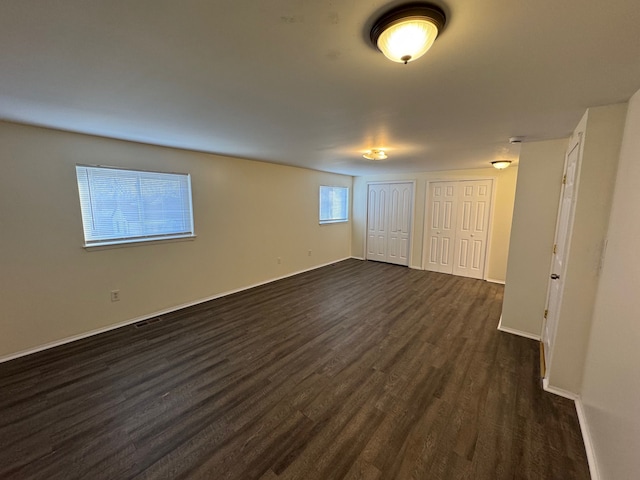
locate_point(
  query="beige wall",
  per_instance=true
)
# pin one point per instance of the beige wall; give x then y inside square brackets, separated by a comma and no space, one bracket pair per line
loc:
[611,385]
[505,184]
[246,214]
[602,135]
[540,170]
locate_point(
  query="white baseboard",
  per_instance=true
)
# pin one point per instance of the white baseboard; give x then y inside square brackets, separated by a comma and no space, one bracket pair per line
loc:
[558,391]
[492,280]
[410,266]
[514,331]
[584,427]
[91,333]
[588,443]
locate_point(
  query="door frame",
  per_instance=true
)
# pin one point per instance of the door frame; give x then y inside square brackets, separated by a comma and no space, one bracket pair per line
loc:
[574,142]
[427,216]
[412,215]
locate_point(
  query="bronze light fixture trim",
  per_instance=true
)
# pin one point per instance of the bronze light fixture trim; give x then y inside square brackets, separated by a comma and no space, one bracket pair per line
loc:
[408,31]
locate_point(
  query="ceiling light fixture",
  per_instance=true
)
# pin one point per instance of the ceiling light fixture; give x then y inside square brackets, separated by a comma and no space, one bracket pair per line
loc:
[375,154]
[405,33]
[501,164]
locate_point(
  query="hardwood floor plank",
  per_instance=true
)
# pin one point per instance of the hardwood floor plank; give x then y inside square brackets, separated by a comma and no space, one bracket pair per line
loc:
[357,370]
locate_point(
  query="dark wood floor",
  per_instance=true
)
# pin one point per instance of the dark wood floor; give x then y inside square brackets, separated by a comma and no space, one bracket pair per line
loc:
[359,370]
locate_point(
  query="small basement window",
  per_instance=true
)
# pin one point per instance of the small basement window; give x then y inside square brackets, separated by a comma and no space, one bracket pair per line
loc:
[334,204]
[126,206]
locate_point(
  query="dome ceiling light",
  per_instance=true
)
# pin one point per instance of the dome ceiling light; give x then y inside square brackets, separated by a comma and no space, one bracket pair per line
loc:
[405,33]
[501,164]
[375,154]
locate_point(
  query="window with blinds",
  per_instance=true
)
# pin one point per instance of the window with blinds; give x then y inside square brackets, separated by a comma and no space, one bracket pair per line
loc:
[334,204]
[125,206]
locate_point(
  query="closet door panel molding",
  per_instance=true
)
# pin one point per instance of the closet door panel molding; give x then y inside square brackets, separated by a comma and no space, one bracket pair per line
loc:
[457,227]
[389,220]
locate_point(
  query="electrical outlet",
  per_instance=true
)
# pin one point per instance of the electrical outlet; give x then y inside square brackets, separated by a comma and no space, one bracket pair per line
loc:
[115,295]
[309,252]
[279,260]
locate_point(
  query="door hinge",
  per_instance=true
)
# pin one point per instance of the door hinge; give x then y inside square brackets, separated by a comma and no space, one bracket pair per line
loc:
[564,179]
[555,248]
[546,312]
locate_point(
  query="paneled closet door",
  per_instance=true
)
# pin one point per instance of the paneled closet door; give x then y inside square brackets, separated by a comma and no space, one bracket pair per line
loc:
[457,228]
[389,207]
[474,206]
[444,203]
[400,200]
[377,221]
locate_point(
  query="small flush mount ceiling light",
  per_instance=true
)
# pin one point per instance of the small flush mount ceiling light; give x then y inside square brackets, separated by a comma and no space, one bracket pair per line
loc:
[405,33]
[501,164]
[375,154]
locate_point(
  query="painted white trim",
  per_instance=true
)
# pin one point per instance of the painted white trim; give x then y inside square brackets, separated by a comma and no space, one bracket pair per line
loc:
[91,333]
[586,438]
[582,418]
[493,280]
[514,331]
[385,182]
[520,333]
[492,214]
[584,426]
[415,267]
[558,391]
[425,224]
[357,258]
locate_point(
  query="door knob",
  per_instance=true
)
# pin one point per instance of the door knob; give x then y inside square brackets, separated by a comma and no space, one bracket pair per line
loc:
[555,276]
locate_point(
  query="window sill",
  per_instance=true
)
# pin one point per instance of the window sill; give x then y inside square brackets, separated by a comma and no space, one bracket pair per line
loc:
[136,243]
[328,222]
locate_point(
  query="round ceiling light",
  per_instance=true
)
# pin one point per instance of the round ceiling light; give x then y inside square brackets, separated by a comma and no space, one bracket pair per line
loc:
[375,154]
[405,33]
[501,164]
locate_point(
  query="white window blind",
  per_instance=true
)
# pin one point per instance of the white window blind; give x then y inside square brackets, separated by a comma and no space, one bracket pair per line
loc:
[334,204]
[122,206]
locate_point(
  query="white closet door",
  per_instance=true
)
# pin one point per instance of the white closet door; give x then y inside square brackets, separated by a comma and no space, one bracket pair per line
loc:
[441,234]
[474,206]
[400,200]
[389,222]
[377,222]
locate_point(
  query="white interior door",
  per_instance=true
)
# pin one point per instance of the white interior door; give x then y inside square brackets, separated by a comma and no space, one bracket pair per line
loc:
[441,234]
[561,245]
[400,200]
[389,207]
[474,206]
[458,227]
[377,222]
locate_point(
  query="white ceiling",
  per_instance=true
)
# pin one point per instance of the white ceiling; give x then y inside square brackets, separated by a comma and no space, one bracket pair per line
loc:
[297,82]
